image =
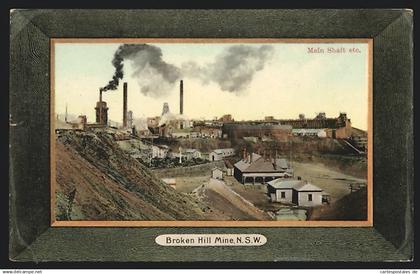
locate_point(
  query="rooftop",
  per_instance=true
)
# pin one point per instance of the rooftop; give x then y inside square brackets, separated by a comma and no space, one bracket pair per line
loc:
[298,185]
[259,164]
[221,150]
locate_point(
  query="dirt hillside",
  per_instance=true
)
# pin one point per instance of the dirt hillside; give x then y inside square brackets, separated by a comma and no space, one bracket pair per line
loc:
[96,180]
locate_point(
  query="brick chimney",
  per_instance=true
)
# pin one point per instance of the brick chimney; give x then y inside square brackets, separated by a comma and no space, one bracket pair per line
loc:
[181,97]
[125,105]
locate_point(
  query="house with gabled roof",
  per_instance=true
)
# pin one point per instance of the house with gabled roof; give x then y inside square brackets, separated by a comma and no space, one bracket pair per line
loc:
[257,169]
[297,192]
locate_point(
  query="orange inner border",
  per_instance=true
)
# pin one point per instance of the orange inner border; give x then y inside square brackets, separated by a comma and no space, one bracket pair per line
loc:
[367,223]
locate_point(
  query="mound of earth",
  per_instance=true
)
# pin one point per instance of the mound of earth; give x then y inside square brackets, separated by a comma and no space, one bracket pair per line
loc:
[96,180]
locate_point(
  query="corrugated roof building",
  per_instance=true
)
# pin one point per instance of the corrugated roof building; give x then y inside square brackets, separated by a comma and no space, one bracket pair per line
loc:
[256,169]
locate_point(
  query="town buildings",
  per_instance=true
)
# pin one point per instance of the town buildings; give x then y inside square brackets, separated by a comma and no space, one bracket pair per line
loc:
[160,151]
[192,153]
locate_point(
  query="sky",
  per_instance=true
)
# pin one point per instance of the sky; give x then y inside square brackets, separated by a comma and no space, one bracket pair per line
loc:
[288,82]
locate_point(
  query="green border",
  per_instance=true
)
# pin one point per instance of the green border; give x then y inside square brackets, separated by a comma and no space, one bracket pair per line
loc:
[32,238]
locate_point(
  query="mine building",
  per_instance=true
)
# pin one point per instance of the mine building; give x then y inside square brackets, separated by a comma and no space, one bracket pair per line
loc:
[221,153]
[238,130]
[101,111]
[297,192]
[254,168]
[311,132]
[337,128]
[210,132]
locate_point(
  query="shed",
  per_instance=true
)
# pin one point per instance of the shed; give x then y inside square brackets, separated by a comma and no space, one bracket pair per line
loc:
[217,173]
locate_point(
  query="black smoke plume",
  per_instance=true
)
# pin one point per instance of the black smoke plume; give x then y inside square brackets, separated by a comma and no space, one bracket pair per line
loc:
[154,75]
[233,69]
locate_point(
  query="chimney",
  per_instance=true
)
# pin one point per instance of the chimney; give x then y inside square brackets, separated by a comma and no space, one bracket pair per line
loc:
[125,105]
[244,156]
[181,97]
[100,108]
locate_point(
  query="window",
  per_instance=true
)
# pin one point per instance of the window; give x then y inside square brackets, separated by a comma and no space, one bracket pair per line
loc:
[310,197]
[283,195]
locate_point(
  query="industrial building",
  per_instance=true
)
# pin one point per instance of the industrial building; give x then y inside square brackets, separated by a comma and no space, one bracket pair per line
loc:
[170,124]
[239,130]
[254,168]
[339,127]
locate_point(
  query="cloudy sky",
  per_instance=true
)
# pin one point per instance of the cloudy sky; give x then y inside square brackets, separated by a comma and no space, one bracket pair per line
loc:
[249,81]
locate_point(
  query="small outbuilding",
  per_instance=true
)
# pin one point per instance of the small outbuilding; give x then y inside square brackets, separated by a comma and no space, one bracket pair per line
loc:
[217,173]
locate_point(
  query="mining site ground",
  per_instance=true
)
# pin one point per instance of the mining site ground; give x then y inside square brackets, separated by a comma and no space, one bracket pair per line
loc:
[326,177]
[99,179]
[331,181]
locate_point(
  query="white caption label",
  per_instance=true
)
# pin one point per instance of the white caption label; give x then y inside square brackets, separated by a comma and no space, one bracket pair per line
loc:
[211,240]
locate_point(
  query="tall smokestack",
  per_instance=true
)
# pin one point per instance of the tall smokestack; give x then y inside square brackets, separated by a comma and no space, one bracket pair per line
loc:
[181,97]
[125,105]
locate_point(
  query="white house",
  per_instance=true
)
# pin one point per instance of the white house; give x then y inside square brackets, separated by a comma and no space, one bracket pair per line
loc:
[160,151]
[192,153]
[217,173]
[296,192]
[219,154]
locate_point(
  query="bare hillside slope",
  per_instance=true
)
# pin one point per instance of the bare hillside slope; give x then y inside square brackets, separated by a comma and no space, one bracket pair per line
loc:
[96,180]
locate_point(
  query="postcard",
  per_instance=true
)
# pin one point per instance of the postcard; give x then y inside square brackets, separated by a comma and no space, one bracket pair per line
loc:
[211,132]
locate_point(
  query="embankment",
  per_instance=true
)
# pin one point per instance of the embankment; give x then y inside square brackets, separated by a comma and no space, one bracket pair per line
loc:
[198,170]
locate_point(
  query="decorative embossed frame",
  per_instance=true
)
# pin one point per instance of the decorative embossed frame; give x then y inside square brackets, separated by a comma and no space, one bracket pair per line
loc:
[33,239]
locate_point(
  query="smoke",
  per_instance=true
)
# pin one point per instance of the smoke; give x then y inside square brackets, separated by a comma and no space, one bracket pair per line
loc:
[233,70]
[154,75]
